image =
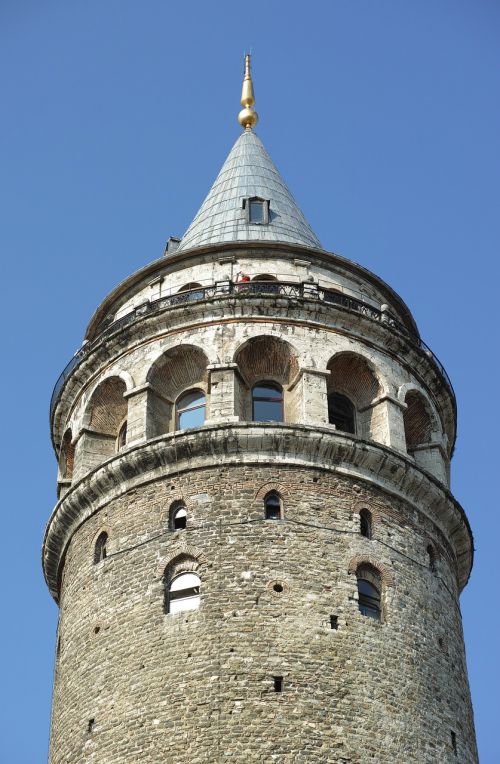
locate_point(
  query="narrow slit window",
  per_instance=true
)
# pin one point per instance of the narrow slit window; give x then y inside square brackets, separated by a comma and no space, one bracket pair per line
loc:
[278,683]
[334,622]
[100,549]
[454,742]
[365,523]
[272,506]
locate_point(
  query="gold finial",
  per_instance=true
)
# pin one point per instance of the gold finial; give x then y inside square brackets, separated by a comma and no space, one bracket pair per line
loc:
[248,116]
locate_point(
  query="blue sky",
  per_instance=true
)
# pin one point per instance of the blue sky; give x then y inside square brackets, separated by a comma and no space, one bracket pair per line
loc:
[383,118]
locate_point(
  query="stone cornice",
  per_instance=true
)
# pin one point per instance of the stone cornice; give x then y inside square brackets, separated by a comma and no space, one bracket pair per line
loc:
[251,443]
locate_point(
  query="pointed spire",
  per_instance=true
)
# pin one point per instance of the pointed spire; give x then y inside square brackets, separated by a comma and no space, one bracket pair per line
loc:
[248,173]
[247,117]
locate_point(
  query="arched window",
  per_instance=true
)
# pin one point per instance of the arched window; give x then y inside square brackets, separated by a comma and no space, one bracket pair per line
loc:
[178,516]
[190,409]
[272,506]
[369,586]
[100,549]
[341,413]
[365,523]
[184,593]
[267,402]
[121,440]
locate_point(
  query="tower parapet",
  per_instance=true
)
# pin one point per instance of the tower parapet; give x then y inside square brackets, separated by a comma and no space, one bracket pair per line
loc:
[255,549]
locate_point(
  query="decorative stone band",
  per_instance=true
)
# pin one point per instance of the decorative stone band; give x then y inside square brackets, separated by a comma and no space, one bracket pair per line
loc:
[250,443]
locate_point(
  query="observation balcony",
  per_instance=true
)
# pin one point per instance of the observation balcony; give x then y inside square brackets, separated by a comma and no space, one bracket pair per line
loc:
[293,291]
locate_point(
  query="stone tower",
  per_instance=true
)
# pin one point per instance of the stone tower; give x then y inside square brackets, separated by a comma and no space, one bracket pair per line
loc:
[255,550]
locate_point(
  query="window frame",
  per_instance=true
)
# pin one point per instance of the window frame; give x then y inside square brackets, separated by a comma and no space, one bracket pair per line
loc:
[179,413]
[247,206]
[273,386]
[178,596]
[273,495]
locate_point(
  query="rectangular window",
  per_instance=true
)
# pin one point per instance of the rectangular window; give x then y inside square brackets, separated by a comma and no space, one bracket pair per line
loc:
[256,212]
[334,622]
[278,683]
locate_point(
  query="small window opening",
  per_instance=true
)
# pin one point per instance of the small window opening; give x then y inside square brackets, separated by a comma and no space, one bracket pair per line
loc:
[334,622]
[432,559]
[278,683]
[184,593]
[256,212]
[179,518]
[121,440]
[454,742]
[341,413]
[278,588]
[272,506]
[365,523]
[100,549]
[91,725]
[97,629]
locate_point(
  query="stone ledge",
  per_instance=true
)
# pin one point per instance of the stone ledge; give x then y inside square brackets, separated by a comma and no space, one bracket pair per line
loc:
[256,443]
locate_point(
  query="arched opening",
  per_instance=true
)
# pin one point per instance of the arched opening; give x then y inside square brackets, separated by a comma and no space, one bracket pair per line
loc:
[178,373]
[121,440]
[273,507]
[365,523]
[67,457]
[190,409]
[264,277]
[351,388]
[417,420]
[184,593]
[267,402]
[267,367]
[188,287]
[341,413]
[104,420]
[100,548]
[178,516]
[369,592]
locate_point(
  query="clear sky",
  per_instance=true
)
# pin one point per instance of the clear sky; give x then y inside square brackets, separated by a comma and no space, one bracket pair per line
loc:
[383,117]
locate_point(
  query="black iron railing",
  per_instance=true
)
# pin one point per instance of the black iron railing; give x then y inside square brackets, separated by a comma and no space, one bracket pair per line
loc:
[303,290]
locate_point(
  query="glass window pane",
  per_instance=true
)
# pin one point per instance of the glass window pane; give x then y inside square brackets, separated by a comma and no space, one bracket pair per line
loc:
[191,399]
[192,418]
[184,581]
[267,411]
[182,604]
[256,212]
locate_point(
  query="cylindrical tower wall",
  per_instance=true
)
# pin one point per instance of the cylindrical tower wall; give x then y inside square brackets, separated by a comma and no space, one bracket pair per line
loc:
[199,686]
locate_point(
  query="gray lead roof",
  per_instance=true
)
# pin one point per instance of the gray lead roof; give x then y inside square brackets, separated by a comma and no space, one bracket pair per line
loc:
[248,172]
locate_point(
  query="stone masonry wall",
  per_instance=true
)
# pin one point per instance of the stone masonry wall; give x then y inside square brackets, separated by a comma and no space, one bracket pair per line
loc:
[198,687]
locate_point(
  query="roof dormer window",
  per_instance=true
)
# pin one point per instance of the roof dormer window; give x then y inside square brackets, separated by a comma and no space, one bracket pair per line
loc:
[257,210]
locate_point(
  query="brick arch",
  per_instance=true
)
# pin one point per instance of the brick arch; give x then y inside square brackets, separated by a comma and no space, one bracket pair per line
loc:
[107,407]
[375,511]
[354,375]
[270,486]
[184,555]
[410,387]
[178,368]
[386,574]
[176,498]
[267,356]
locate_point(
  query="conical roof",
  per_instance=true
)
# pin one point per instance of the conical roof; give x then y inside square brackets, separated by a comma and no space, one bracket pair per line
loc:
[248,172]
